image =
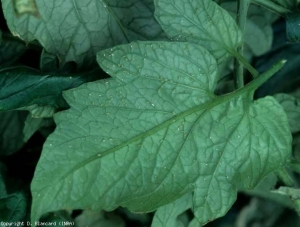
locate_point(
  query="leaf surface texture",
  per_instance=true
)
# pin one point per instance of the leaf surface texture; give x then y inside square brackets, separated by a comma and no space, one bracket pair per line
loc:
[75,30]
[155,132]
[201,22]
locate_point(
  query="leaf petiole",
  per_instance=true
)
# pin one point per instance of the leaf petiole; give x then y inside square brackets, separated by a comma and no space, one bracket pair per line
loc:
[272,6]
[246,64]
[258,81]
[241,17]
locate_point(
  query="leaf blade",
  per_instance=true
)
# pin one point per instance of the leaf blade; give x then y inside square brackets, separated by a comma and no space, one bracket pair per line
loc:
[28,87]
[67,29]
[154,133]
[168,215]
[292,108]
[201,22]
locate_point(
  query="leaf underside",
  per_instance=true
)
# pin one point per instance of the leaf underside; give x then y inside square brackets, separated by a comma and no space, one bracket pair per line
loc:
[201,22]
[75,30]
[154,132]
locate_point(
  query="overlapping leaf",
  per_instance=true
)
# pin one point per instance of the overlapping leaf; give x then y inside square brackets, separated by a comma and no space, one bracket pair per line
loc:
[292,26]
[290,4]
[10,50]
[258,27]
[27,87]
[168,214]
[13,207]
[155,132]
[76,30]
[98,219]
[201,22]
[11,128]
[291,106]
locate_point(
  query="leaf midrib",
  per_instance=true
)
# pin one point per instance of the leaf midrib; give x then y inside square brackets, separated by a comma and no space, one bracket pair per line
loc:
[253,85]
[217,101]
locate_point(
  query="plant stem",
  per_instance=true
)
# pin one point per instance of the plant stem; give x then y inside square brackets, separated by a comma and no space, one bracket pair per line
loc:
[257,82]
[280,10]
[246,64]
[285,177]
[241,17]
[271,196]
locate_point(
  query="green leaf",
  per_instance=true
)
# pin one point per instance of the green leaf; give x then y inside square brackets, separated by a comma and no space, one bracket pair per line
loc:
[24,87]
[201,22]
[289,4]
[285,177]
[258,27]
[256,30]
[294,165]
[168,214]
[3,192]
[194,223]
[98,219]
[13,207]
[291,106]
[48,62]
[10,50]
[75,30]
[292,26]
[60,218]
[11,127]
[39,111]
[293,194]
[155,132]
[262,190]
[32,125]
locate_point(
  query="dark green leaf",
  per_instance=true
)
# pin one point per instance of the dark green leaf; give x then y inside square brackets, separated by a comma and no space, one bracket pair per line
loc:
[293,26]
[49,62]
[98,219]
[13,207]
[11,131]
[23,87]
[294,164]
[3,193]
[289,4]
[60,218]
[10,50]
[287,79]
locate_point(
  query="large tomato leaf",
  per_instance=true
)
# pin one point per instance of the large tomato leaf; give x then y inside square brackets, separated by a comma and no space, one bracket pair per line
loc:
[156,131]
